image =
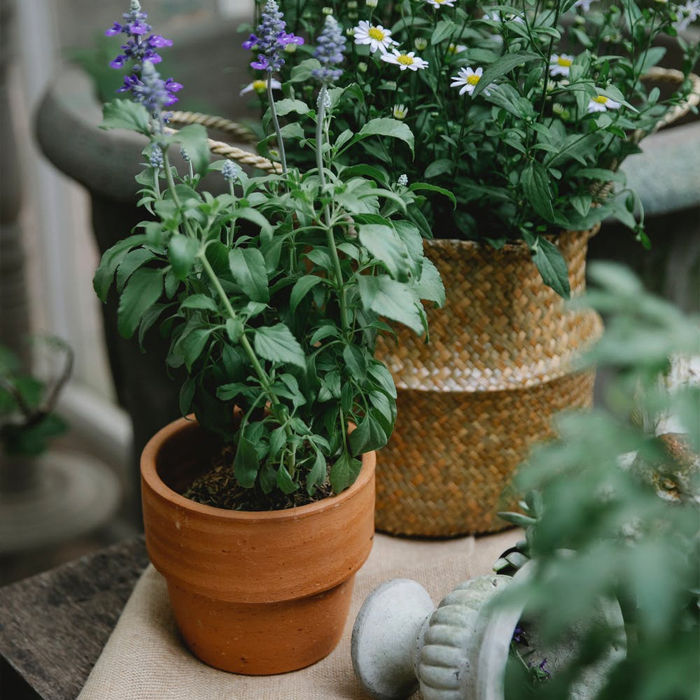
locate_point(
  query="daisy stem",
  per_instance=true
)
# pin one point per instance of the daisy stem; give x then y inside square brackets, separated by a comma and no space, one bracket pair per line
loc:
[342,298]
[548,59]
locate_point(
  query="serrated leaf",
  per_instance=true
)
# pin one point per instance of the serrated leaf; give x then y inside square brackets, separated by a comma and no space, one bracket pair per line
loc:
[344,472]
[111,259]
[277,344]
[182,252]
[199,301]
[385,126]
[142,291]
[125,114]
[301,288]
[430,285]
[391,299]
[385,245]
[248,269]
[536,189]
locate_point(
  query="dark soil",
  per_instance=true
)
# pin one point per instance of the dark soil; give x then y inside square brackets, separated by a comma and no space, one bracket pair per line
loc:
[218,488]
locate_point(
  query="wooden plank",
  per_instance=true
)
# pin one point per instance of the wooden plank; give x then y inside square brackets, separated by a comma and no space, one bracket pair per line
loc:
[54,626]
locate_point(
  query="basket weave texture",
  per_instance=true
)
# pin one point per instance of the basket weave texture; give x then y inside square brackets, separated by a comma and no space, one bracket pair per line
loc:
[472,402]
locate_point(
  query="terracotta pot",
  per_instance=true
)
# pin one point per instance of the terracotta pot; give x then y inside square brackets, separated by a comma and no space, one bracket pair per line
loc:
[254,593]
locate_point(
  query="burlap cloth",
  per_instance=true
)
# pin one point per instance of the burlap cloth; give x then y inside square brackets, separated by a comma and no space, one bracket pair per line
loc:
[144,658]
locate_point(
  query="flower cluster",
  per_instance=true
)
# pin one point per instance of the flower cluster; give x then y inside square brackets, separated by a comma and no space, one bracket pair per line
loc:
[152,91]
[271,40]
[329,52]
[140,50]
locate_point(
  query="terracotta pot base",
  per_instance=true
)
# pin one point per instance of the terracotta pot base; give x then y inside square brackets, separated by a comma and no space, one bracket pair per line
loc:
[258,593]
[262,639]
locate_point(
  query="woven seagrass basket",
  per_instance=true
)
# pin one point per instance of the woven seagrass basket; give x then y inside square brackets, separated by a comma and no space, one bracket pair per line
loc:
[471,403]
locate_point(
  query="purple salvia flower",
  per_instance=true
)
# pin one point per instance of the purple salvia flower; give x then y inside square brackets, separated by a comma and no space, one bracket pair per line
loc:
[153,92]
[270,39]
[231,171]
[329,52]
[138,47]
[156,156]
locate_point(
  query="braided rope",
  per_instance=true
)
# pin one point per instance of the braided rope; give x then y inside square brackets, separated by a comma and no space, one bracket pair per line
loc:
[226,150]
[238,131]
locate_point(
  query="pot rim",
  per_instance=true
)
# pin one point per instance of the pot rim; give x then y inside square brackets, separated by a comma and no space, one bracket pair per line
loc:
[149,474]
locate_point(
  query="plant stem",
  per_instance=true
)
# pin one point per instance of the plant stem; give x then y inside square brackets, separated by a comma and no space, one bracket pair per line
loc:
[276,408]
[275,121]
[327,213]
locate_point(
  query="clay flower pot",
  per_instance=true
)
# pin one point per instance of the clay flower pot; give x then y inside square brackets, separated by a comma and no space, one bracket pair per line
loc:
[252,592]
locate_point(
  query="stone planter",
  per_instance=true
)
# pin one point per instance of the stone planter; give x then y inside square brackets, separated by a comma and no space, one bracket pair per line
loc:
[459,651]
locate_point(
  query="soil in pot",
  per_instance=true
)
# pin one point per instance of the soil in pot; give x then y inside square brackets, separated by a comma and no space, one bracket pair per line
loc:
[252,592]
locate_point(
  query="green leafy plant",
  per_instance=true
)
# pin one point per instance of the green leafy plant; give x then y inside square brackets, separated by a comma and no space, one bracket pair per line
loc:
[28,421]
[524,109]
[273,292]
[629,524]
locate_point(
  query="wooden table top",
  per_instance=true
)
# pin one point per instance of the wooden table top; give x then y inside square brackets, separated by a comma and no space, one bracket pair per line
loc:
[54,626]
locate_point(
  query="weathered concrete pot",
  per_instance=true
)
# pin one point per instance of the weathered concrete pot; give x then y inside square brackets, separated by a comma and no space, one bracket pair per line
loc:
[458,651]
[210,63]
[257,593]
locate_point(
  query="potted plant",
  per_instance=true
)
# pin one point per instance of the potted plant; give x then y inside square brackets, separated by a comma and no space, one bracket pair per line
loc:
[526,111]
[261,510]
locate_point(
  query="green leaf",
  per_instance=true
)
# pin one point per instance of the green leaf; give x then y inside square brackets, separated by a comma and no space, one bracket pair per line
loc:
[551,264]
[199,301]
[285,107]
[132,262]
[194,140]
[443,30]
[301,288]
[142,291]
[418,186]
[303,72]
[439,167]
[344,472]
[369,435]
[187,395]
[385,126]
[228,392]
[246,464]
[384,244]
[234,329]
[430,286]
[355,362]
[536,189]
[182,252]
[277,344]
[317,474]
[278,439]
[284,480]
[125,114]
[503,65]
[248,269]
[191,345]
[390,298]
[111,259]
[382,376]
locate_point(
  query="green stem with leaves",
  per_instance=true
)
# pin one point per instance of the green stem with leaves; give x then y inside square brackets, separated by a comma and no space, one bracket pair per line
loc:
[342,296]
[276,122]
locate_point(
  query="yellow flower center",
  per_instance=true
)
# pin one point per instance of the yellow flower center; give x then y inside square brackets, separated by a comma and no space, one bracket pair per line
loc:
[474,79]
[405,60]
[376,34]
[564,62]
[602,99]
[259,85]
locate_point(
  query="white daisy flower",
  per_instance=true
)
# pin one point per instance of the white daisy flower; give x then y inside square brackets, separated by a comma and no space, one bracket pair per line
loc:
[454,49]
[400,112]
[585,5]
[467,79]
[687,15]
[378,38]
[601,103]
[371,3]
[405,60]
[441,3]
[496,17]
[403,180]
[560,64]
[260,86]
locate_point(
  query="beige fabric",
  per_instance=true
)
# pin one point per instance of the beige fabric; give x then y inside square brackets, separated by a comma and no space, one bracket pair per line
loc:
[145,660]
